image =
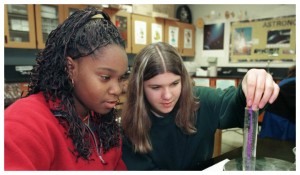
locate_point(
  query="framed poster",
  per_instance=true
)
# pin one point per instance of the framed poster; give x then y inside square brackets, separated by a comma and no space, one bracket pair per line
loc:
[242,41]
[188,39]
[213,37]
[272,39]
[173,33]
[157,32]
[140,32]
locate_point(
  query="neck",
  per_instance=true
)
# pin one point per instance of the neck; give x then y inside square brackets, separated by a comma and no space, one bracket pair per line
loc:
[81,109]
[157,115]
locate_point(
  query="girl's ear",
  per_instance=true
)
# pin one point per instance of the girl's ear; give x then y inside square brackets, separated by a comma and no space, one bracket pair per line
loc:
[71,67]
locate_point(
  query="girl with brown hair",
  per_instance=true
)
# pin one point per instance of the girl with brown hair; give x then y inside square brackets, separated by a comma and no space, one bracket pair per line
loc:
[169,124]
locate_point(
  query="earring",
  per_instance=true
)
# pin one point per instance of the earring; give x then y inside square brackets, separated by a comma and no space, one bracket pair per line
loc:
[73,84]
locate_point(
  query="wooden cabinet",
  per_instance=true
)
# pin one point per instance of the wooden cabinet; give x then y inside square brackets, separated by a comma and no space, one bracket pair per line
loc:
[28,26]
[122,21]
[172,33]
[68,9]
[19,30]
[187,39]
[47,18]
[181,36]
[146,30]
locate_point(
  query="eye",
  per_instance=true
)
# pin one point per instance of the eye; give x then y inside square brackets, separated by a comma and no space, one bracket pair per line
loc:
[122,78]
[105,77]
[175,83]
[154,87]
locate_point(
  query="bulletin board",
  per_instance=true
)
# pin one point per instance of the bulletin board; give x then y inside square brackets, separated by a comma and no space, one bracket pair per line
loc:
[263,40]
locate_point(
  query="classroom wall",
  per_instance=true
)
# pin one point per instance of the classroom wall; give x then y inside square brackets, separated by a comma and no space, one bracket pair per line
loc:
[27,56]
[216,14]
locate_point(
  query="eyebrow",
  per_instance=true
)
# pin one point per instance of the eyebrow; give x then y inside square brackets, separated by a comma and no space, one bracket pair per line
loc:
[106,69]
[110,70]
[160,84]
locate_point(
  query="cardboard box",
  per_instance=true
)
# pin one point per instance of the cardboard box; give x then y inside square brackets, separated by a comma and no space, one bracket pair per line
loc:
[142,9]
[157,10]
[166,10]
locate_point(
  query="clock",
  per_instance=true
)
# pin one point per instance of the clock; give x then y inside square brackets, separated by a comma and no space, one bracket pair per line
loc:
[183,13]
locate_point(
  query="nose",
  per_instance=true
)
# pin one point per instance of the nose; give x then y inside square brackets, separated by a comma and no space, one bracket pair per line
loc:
[116,88]
[166,94]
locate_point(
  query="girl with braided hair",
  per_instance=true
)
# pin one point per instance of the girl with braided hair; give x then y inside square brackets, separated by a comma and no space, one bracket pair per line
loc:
[67,121]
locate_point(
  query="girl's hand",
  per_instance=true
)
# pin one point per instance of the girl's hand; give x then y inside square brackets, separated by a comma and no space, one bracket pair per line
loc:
[259,88]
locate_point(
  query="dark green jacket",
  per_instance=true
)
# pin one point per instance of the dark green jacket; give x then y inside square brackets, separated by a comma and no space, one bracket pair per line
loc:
[174,150]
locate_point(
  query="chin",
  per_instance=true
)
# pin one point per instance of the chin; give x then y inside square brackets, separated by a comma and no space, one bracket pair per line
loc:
[166,111]
[104,111]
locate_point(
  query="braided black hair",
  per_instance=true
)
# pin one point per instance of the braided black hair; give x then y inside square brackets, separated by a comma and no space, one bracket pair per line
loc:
[80,35]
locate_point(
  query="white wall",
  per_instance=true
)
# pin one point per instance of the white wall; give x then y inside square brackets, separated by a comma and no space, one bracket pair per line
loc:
[253,11]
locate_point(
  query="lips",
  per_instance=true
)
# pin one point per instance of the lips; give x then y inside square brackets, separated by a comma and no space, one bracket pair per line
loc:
[167,105]
[110,104]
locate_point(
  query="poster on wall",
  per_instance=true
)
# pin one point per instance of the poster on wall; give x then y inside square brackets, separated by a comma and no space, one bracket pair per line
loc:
[140,32]
[242,41]
[213,36]
[187,44]
[173,33]
[262,40]
[278,38]
[156,32]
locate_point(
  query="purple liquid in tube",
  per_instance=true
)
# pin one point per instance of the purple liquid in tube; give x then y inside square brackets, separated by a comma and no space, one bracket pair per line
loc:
[249,147]
[250,138]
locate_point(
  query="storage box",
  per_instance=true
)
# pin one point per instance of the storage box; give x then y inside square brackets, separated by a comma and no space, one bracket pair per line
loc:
[167,10]
[142,9]
[157,10]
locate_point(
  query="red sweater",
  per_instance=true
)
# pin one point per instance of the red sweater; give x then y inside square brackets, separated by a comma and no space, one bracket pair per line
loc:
[34,140]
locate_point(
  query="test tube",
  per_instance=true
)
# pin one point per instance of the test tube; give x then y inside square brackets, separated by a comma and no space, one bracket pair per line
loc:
[250,138]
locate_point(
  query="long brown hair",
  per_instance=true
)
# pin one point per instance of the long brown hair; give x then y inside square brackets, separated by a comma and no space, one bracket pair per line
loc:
[135,117]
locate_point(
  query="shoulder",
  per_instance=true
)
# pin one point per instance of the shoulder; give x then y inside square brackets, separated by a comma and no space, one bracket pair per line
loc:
[201,90]
[208,92]
[29,103]
[217,95]
[287,81]
[206,95]
[31,108]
